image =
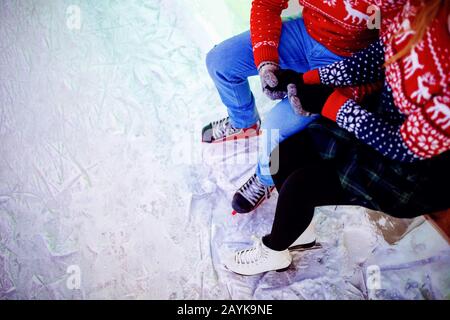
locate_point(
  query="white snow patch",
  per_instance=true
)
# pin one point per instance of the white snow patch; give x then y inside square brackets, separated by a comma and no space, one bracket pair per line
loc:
[101,167]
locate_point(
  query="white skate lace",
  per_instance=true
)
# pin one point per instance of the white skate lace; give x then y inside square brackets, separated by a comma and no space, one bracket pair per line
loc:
[223,128]
[252,255]
[253,190]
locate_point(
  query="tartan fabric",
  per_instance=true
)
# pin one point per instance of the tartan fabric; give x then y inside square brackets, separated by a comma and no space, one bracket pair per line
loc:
[376,182]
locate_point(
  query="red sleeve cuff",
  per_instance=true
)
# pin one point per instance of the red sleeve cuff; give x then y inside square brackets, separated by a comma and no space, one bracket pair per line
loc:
[311,77]
[265,53]
[333,105]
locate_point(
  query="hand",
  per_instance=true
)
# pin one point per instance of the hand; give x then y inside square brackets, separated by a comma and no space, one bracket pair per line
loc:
[295,102]
[293,82]
[304,99]
[269,80]
[286,77]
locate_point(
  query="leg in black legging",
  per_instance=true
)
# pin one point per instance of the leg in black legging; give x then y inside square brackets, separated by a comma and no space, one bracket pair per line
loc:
[304,181]
[292,154]
[303,191]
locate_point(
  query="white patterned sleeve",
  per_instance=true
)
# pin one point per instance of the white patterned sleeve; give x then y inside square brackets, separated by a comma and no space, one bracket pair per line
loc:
[363,67]
[381,133]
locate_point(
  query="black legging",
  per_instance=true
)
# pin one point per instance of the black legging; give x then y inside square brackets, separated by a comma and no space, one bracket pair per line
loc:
[304,181]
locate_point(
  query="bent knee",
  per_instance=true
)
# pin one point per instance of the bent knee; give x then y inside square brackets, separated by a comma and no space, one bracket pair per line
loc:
[214,60]
[283,121]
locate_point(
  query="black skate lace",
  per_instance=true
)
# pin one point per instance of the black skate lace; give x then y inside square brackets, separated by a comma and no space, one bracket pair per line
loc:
[253,190]
[223,128]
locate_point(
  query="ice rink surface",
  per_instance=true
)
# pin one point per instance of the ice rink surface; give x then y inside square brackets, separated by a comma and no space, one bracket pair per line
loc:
[102,172]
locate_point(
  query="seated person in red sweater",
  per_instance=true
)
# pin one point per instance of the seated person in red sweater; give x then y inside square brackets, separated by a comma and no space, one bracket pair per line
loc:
[412,120]
[390,153]
[328,32]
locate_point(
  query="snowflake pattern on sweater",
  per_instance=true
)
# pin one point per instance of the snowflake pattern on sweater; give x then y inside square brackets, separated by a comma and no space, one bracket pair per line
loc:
[378,132]
[363,67]
[416,96]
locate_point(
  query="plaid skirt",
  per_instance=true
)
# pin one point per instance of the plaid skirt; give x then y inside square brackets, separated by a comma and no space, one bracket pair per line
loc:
[373,181]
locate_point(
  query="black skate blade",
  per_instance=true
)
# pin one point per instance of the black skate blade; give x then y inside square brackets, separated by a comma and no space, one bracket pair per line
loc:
[306,247]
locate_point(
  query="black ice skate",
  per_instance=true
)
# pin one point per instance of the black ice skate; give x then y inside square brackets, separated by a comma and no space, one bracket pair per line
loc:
[251,195]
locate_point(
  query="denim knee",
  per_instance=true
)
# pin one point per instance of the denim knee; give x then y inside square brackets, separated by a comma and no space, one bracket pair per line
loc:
[283,119]
[214,61]
[280,119]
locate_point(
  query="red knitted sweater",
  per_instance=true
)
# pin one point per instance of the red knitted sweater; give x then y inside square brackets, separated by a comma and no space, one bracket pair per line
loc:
[339,25]
[420,81]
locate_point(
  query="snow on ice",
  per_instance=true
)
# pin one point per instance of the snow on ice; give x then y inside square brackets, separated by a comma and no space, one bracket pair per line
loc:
[102,172]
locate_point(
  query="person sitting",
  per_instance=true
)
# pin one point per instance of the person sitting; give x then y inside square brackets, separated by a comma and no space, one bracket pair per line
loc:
[323,35]
[389,152]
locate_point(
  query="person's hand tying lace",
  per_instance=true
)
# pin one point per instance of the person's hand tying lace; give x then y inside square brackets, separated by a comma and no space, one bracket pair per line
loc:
[304,99]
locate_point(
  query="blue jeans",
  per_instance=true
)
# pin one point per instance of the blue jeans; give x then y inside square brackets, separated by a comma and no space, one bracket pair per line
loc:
[231,63]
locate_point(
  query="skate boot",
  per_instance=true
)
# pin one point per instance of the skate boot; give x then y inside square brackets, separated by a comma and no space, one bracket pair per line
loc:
[251,195]
[258,259]
[223,130]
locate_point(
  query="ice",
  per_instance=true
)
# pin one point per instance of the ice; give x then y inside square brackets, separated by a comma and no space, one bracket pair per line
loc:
[101,168]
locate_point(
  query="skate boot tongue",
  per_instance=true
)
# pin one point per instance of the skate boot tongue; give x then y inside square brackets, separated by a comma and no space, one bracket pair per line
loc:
[251,195]
[223,128]
[251,255]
